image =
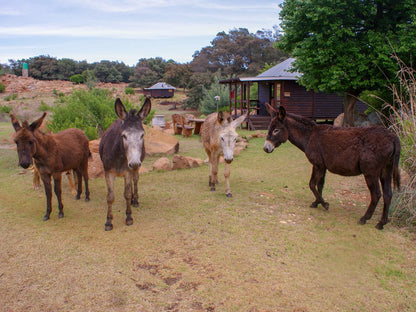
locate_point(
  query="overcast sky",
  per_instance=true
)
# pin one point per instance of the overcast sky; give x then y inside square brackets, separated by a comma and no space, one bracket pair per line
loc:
[124,30]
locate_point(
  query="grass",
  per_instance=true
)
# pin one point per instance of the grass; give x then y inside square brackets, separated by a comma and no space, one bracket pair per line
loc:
[190,249]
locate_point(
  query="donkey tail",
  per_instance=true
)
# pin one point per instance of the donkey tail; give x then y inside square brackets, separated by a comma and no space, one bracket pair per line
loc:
[396,159]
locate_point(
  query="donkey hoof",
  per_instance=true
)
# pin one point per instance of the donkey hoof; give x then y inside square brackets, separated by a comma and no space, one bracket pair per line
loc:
[108,227]
[61,215]
[314,205]
[46,218]
[379,226]
[129,221]
[77,197]
[362,221]
[326,205]
[212,189]
[135,202]
[87,199]
[229,195]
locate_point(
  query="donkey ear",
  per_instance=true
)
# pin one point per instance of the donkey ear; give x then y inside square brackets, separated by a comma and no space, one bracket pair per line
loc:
[120,110]
[220,117]
[145,110]
[281,113]
[271,110]
[238,121]
[15,123]
[36,124]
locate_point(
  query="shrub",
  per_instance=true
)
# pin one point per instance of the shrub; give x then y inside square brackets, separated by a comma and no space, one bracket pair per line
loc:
[44,107]
[403,122]
[2,88]
[5,109]
[129,90]
[209,102]
[77,79]
[91,111]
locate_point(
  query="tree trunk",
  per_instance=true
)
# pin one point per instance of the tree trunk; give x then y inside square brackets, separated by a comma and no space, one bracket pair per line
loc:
[350,104]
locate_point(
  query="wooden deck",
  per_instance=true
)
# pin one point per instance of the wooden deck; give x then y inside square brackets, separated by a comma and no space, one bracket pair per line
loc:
[259,122]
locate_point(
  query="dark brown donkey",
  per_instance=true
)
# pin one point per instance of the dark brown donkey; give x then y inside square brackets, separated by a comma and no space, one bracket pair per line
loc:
[53,154]
[373,152]
[122,152]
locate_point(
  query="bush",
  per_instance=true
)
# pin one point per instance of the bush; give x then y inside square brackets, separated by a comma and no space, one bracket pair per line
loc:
[129,90]
[5,109]
[91,111]
[403,122]
[209,102]
[77,79]
[2,88]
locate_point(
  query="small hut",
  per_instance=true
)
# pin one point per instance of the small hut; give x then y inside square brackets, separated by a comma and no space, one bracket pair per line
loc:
[160,90]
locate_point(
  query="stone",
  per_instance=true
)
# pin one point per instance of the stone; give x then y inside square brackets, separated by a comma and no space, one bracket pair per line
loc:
[162,164]
[158,142]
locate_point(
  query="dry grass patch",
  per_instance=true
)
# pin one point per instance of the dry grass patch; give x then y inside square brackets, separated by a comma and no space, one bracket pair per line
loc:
[190,249]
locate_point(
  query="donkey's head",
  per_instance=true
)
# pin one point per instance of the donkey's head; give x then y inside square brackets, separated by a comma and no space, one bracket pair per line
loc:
[132,132]
[228,135]
[25,139]
[278,132]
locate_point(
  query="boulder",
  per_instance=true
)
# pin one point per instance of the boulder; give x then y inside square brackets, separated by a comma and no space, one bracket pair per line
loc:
[159,142]
[162,164]
[182,162]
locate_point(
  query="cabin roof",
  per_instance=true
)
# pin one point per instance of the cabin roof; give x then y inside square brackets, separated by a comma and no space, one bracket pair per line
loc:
[281,71]
[161,86]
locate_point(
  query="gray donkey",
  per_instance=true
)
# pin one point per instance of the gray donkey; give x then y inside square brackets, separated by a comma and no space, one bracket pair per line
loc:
[218,137]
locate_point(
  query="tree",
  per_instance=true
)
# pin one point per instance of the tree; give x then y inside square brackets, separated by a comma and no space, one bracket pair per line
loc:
[345,45]
[237,52]
[177,75]
[149,71]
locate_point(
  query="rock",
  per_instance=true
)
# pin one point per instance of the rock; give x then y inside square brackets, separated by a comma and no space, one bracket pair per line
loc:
[95,166]
[94,146]
[159,142]
[180,162]
[162,164]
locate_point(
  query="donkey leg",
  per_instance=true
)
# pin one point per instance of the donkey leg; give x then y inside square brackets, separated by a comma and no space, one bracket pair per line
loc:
[127,195]
[227,180]
[109,179]
[387,195]
[214,172]
[79,188]
[316,184]
[46,179]
[374,187]
[57,178]
[71,182]
[135,193]
[85,175]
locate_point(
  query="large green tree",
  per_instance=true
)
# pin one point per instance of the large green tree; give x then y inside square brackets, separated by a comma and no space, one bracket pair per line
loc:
[345,46]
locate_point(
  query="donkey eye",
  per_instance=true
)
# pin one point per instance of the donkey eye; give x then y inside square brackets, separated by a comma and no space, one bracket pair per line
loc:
[123,136]
[276,131]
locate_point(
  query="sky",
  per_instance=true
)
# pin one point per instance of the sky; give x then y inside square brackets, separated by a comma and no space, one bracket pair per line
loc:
[124,30]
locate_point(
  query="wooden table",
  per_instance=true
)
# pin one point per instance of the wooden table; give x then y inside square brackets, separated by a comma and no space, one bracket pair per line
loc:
[198,123]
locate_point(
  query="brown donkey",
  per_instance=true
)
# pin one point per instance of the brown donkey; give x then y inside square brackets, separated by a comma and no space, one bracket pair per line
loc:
[218,136]
[53,154]
[372,151]
[122,152]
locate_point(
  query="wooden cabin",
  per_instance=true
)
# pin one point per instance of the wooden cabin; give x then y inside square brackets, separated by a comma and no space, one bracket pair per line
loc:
[278,86]
[160,90]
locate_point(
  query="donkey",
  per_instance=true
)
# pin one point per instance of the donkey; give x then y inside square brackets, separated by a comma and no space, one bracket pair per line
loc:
[52,155]
[218,136]
[372,151]
[122,152]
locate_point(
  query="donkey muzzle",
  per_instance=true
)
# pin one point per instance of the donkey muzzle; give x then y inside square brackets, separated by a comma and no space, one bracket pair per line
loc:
[135,165]
[268,147]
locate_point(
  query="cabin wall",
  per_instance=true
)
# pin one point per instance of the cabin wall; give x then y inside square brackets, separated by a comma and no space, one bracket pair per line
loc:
[162,93]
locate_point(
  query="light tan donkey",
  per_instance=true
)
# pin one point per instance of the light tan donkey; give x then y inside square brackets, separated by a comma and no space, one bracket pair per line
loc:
[218,137]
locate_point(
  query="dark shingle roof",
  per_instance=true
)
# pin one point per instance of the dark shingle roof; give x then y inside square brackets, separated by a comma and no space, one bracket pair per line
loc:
[281,71]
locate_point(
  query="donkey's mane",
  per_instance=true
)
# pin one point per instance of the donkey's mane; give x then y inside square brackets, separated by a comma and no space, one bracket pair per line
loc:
[302,120]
